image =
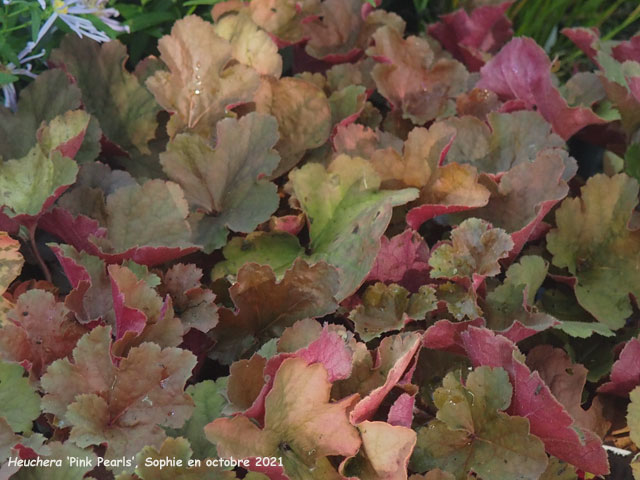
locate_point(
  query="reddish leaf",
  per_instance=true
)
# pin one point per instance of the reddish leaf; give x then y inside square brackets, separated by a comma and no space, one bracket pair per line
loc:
[403,260]
[533,400]
[401,412]
[473,38]
[521,71]
[625,374]
[392,359]
[446,335]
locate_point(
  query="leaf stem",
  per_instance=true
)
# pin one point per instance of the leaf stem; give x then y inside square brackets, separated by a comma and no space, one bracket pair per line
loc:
[34,247]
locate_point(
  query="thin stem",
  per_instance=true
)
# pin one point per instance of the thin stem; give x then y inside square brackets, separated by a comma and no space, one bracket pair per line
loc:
[34,247]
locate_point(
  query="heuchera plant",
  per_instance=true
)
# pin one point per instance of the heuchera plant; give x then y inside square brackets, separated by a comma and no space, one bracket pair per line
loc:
[380,266]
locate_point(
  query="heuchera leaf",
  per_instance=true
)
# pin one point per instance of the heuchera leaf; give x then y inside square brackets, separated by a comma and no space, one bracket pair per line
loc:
[303,114]
[146,224]
[524,195]
[265,307]
[625,374]
[202,81]
[593,241]
[282,18]
[227,180]
[116,405]
[472,433]
[443,189]
[38,332]
[141,315]
[474,251]
[472,39]
[510,307]
[91,297]
[29,185]
[566,380]
[276,249]
[521,71]
[347,215]
[502,142]
[533,400]
[301,425]
[374,380]
[11,262]
[633,416]
[410,77]
[125,109]
[194,304]
[401,412]
[19,402]
[250,45]
[49,95]
[384,454]
[246,380]
[402,259]
[209,399]
[386,308]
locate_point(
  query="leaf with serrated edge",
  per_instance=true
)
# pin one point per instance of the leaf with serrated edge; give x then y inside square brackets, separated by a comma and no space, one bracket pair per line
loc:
[594,242]
[19,402]
[473,434]
[202,81]
[11,262]
[103,403]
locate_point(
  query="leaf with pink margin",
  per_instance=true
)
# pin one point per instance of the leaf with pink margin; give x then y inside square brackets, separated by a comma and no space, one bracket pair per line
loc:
[625,374]
[283,19]
[392,359]
[301,425]
[384,454]
[141,314]
[567,380]
[402,259]
[90,298]
[203,79]
[522,71]
[533,400]
[329,349]
[411,79]
[74,230]
[358,140]
[472,39]
[401,412]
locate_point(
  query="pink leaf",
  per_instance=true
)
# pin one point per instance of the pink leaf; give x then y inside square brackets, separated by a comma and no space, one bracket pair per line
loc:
[470,37]
[625,375]
[401,412]
[522,71]
[445,335]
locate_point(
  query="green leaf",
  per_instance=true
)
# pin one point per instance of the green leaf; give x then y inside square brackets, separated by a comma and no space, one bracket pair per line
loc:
[594,243]
[27,183]
[209,399]
[633,415]
[227,180]
[347,215]
[124,107]
[276,249]
[471,433]
[632,161]
[19,402]
[585,329]
[49,95]
[389,307]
